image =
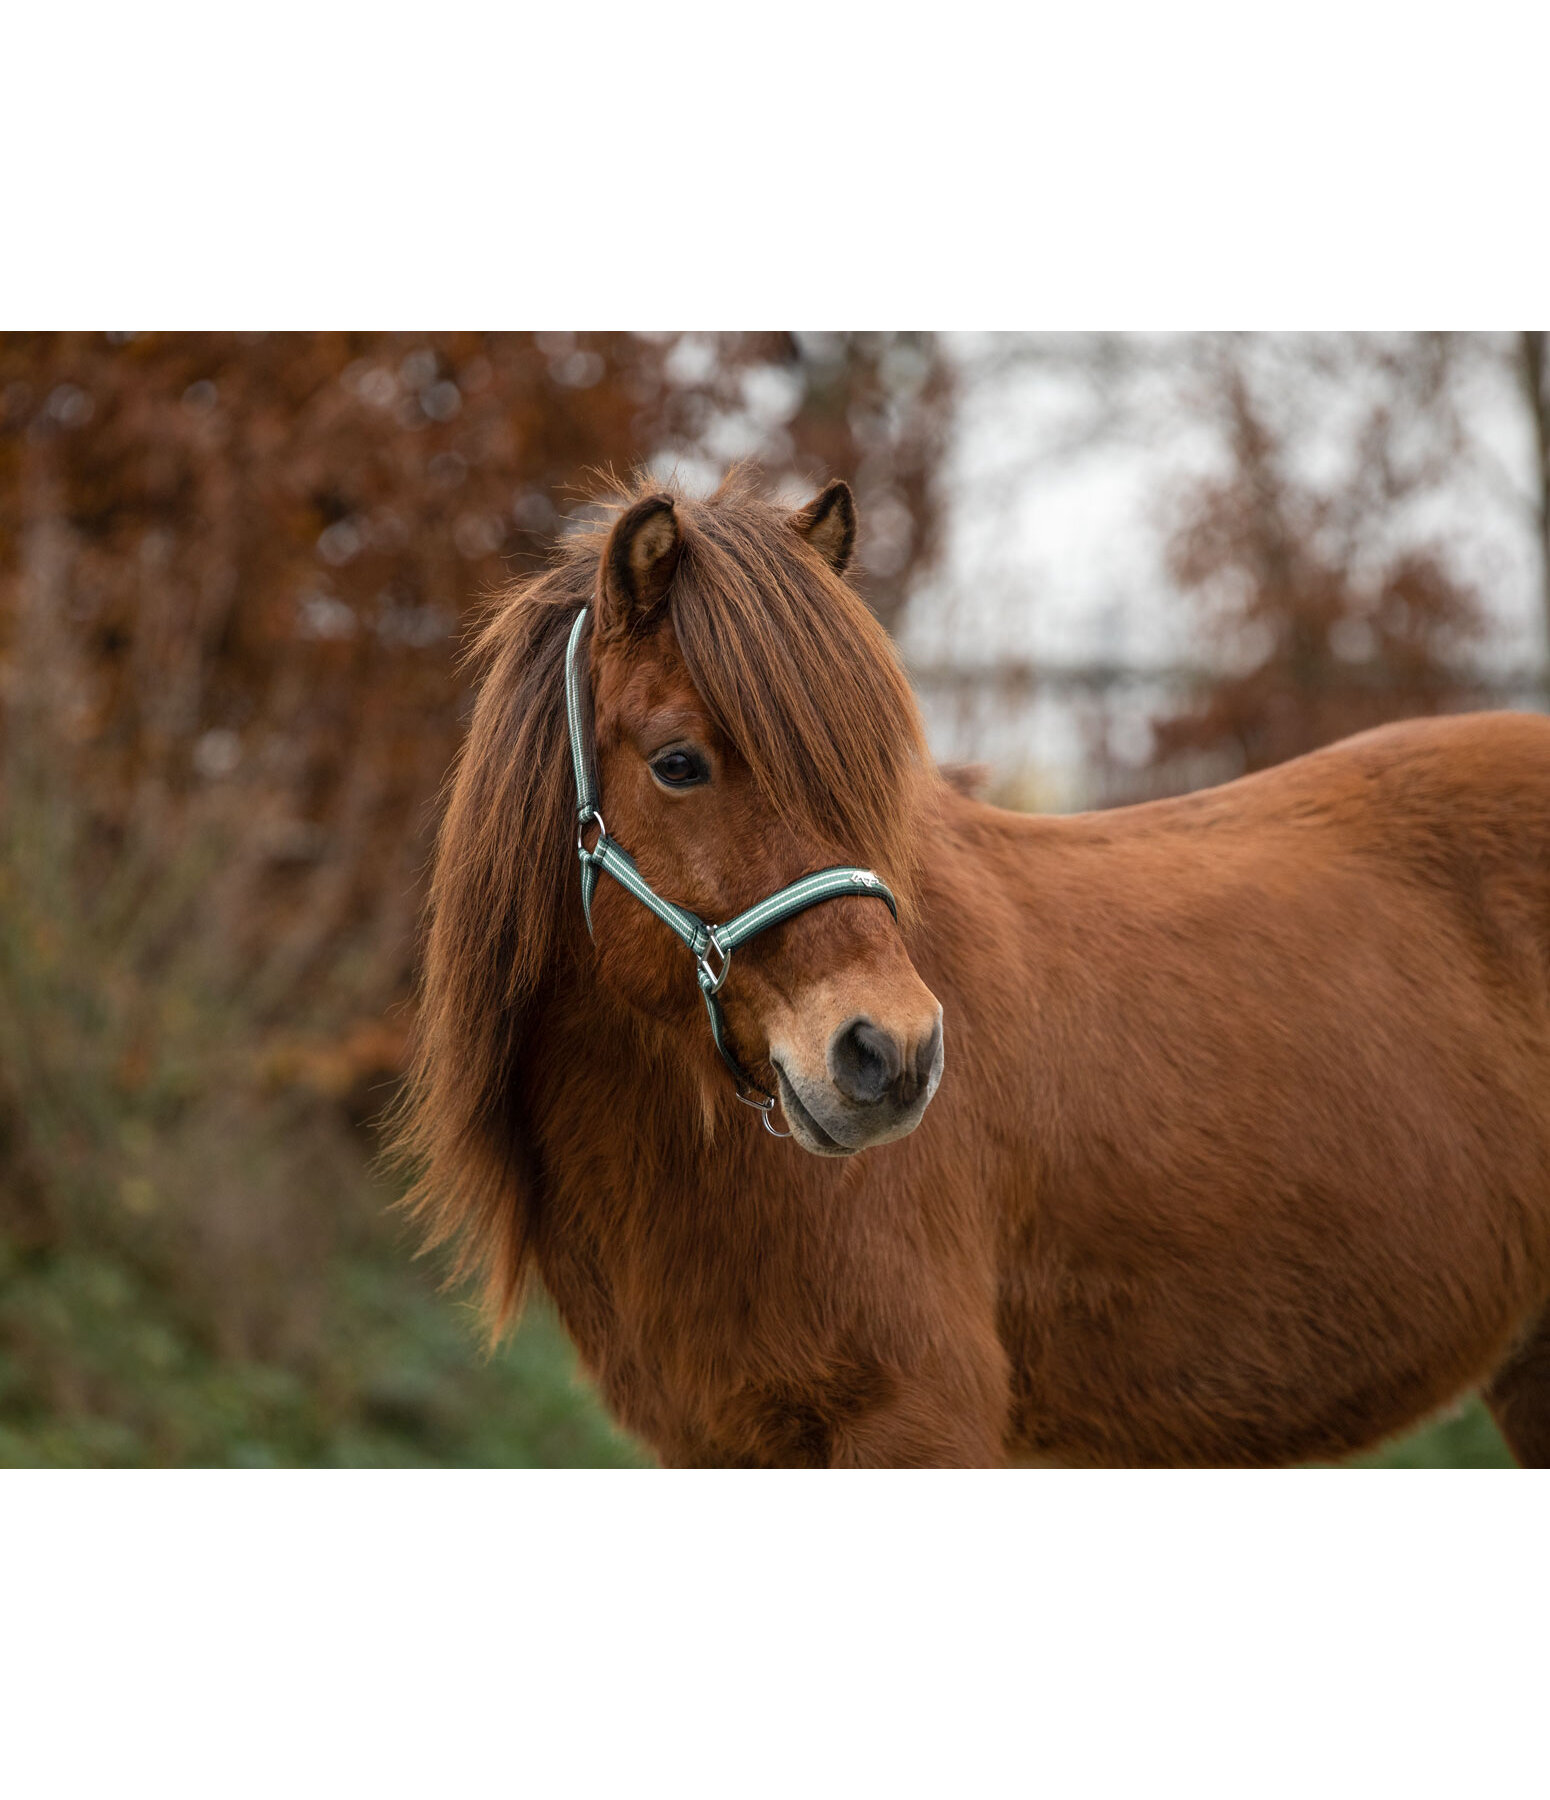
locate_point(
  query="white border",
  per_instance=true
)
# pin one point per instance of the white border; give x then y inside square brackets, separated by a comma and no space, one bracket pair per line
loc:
[323,166]
[325,1634]
[1111,167]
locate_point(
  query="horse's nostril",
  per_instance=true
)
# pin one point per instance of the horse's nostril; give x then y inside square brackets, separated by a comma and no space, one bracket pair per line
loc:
[864,1061]
[926,1055]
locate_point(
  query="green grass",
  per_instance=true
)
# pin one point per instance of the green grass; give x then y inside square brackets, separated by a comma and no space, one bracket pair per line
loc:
[97,1369]
[1464,1438]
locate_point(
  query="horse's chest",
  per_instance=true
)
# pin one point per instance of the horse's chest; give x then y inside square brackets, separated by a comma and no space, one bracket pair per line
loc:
[737,1411]
[731,1360]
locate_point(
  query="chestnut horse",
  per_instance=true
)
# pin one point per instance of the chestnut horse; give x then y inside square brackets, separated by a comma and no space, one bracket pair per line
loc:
[1242,1150]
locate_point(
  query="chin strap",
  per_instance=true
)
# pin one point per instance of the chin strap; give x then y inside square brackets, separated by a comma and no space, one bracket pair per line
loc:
[710,945]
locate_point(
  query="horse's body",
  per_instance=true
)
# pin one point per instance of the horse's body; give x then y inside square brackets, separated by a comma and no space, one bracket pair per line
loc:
[1241,1154]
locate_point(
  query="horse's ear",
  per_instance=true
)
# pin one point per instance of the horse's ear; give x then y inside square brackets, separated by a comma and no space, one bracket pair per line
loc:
[639,563]
[829,525]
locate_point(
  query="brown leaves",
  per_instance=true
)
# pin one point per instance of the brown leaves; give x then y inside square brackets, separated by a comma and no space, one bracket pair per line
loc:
[1331,627]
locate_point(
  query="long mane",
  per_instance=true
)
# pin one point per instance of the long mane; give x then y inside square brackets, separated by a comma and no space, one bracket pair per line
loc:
[805,684]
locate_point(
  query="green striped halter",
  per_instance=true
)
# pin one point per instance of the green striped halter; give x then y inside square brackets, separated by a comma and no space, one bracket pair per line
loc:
[706,942]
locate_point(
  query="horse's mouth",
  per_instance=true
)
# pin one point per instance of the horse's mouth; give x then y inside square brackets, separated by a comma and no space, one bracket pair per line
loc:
[804,1127]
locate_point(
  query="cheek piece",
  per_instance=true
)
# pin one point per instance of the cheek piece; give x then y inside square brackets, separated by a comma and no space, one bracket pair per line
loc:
[710,945]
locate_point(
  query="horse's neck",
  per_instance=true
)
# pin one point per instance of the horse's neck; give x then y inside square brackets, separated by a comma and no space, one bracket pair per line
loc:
[617,1096]
[655,1205]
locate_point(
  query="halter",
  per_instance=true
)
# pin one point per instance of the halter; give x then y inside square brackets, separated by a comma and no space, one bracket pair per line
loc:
[706,942]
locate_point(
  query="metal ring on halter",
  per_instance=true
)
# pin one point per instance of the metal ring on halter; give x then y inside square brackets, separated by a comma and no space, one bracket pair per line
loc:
[764,1108]
[589,815]
[714,977]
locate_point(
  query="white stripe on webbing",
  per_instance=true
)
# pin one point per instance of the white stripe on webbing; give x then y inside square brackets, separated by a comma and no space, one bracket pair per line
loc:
[678,919]
[585,796]
[809,891]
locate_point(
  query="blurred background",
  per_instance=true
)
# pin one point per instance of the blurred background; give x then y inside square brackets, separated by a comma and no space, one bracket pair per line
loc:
[235,571]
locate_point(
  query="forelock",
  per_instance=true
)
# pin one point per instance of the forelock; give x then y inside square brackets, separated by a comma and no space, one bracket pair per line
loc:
[802,679]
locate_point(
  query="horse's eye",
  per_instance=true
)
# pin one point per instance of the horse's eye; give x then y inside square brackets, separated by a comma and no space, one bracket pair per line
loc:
[680,769]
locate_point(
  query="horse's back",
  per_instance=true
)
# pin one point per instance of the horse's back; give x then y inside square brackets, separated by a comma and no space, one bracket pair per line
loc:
[1486,775]
[1470,770]
[1455,809]
[1459,808]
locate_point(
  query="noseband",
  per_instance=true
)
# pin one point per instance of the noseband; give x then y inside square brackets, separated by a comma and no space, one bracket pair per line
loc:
[710,945]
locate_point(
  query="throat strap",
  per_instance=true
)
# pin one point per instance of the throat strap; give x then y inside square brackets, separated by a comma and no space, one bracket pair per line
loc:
[710,945]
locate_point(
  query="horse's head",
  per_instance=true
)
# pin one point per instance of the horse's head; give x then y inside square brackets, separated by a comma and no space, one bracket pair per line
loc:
[751,726]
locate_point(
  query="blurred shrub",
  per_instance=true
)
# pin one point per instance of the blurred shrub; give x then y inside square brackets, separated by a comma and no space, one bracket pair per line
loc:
[194,1261]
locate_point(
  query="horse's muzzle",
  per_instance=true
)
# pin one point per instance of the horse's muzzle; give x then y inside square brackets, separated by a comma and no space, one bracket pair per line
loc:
[879,1084]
